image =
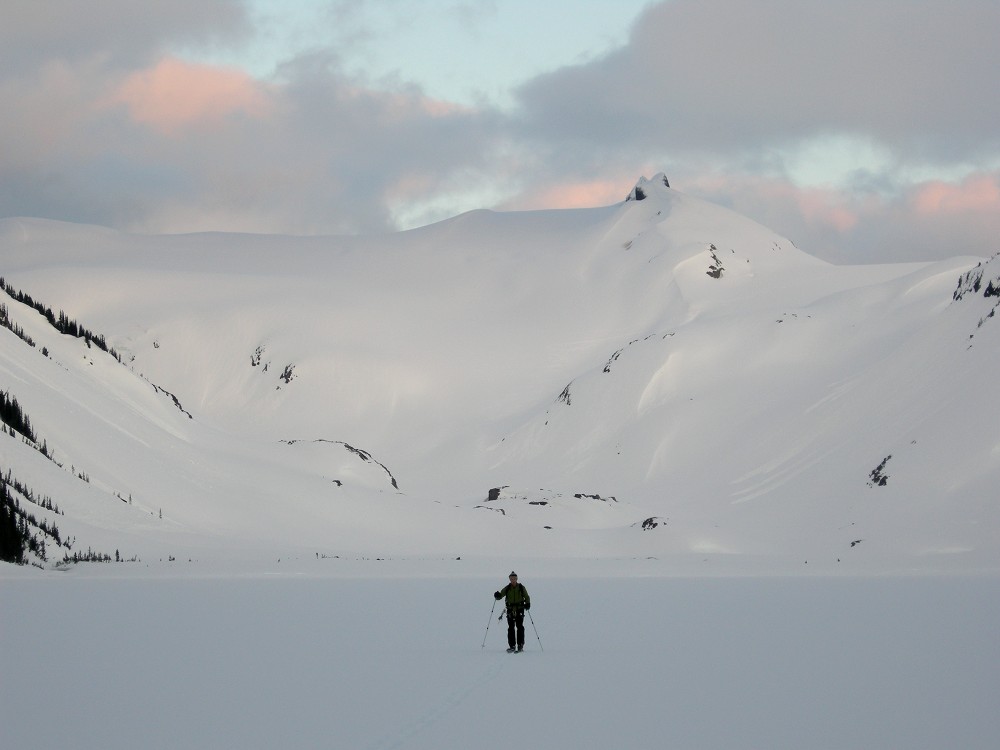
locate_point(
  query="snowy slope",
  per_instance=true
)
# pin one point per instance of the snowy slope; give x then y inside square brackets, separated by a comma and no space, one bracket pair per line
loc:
[660,377]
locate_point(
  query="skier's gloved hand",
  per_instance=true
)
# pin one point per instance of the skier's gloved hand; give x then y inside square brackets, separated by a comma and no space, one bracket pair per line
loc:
[527,606]
[497,595]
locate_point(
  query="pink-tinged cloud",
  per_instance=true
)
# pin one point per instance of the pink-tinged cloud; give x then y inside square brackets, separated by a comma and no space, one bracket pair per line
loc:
[924,221]
[827,208]
[176,95]
[976,194]
[410,187]
[819,207]
[407,104]
[575,194]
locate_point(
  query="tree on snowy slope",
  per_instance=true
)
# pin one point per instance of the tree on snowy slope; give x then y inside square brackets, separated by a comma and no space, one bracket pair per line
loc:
[62,323]
[13,536]
[14,417]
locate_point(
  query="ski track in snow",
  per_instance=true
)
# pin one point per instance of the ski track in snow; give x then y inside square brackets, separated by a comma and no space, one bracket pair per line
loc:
[451,702]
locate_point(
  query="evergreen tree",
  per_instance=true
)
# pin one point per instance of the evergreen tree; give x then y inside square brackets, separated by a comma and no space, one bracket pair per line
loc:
[13,535]
[13,416]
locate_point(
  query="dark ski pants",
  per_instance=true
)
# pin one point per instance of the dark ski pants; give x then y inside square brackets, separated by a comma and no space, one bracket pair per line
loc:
[515,621]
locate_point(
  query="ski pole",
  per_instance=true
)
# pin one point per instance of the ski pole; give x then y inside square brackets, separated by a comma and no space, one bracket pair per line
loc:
[488,625]
[536,630]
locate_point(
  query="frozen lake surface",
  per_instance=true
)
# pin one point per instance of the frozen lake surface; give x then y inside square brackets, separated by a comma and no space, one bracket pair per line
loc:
[381,662]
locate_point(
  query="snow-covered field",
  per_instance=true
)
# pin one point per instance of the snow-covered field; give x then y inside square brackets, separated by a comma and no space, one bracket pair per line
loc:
[375,654]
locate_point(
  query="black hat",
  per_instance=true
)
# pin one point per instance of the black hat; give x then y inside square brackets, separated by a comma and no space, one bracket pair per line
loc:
[512,574]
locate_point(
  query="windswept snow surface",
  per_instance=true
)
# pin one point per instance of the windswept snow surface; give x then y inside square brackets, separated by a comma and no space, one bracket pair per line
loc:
[377,655]
[657,378]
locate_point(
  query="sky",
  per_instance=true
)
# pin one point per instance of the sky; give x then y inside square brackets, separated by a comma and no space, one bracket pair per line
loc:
[864,130]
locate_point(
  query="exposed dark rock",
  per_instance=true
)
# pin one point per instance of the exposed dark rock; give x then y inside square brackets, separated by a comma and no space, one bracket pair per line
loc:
[173,398]
[878,477]
[564,396]
[971,282]
[715,269]
[362,454]
[584,496]
[638,193]
[615,356]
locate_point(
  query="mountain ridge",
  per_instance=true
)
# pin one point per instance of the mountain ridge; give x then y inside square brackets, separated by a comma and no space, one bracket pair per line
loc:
[662,360]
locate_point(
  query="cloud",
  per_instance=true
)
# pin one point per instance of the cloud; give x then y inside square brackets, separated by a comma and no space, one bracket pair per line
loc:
[313,153]
[734,76]
[106,121]
[104,131]
[574,193]
[976,195]
[731,97]
[174,95]
[122,33]
[926,221]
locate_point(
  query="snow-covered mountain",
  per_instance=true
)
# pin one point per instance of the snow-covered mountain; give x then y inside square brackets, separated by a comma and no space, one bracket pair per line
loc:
[661,377]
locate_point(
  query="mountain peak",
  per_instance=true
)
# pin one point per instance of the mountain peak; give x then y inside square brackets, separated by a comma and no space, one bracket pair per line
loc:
[643,186]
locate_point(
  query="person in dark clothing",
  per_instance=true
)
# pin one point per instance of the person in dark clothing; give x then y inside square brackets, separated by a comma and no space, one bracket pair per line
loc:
[518,602]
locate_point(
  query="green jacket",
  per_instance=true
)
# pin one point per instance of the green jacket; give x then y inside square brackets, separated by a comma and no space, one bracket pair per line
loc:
[516,595]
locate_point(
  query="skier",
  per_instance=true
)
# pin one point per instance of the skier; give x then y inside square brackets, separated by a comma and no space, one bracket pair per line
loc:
[518,602]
